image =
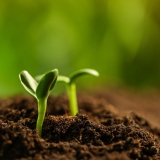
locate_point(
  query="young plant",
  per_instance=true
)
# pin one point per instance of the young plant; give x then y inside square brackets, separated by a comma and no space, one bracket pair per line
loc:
[40,90]
[71,86]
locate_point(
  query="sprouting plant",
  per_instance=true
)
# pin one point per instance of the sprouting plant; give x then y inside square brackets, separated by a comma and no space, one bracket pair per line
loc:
[40,90]
[71,86]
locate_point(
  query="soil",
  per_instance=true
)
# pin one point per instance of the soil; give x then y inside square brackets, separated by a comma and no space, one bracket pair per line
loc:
[111,125]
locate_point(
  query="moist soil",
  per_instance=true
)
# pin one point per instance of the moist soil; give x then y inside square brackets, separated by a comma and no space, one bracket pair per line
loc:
[112,124]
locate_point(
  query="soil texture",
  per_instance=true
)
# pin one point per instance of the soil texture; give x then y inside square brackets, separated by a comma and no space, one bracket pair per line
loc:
[111,125]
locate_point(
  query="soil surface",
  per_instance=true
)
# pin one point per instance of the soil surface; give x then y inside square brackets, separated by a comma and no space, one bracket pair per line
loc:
[111,125]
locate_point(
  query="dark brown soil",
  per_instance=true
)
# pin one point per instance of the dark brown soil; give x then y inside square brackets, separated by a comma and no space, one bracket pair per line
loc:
[111,125]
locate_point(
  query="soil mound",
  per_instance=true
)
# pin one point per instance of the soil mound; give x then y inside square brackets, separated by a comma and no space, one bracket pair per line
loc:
[99,132]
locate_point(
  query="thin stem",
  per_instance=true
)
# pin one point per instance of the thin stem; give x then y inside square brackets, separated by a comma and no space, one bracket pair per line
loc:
[41,114]
[71,88]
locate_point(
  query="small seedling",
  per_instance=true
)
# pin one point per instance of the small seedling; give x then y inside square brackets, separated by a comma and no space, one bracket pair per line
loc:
[71,86]
[40,90]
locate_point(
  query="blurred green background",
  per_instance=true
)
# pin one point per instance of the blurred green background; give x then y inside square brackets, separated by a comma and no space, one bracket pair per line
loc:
[120,39]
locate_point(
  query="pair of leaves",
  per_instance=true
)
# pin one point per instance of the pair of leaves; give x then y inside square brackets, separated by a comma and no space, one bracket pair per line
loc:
[77,74]
[41,89]
[82,72]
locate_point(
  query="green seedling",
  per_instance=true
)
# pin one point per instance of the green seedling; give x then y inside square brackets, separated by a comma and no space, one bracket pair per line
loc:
[71,86]
[40,90]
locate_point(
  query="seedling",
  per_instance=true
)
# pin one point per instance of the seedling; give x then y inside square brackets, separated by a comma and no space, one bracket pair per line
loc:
[40,90]
[71,86]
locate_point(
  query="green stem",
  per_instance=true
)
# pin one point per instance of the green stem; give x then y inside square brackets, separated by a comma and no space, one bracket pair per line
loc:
[41,114]
[71,88]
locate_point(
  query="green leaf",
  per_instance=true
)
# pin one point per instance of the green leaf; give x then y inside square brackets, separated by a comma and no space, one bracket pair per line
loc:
[28,82]
[82,72]
[38,78]
[46,84]
[63,79]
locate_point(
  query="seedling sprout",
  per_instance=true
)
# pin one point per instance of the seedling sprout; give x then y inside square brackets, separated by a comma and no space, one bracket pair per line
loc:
[71,86]
[40,90]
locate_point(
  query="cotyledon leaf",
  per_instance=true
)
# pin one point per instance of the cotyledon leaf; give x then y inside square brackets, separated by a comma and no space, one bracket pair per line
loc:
[46,84]
[81,72]
[28,82]
[63,79]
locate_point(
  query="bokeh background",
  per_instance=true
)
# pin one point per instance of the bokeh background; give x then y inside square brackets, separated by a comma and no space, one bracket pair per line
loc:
[120,39]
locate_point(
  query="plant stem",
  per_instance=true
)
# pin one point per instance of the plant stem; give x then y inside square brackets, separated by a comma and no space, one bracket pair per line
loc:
[71,88]
[42,103]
